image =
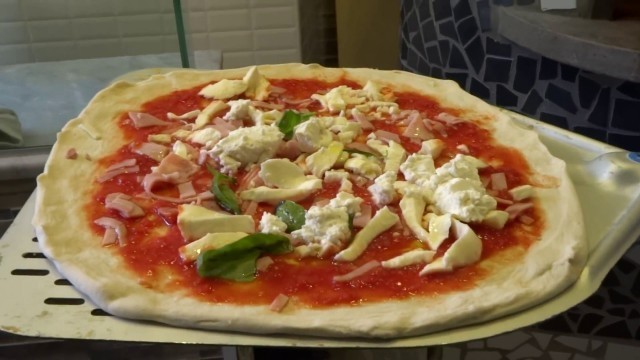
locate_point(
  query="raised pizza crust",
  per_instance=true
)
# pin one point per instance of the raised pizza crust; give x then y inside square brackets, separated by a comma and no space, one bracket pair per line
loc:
[550,265]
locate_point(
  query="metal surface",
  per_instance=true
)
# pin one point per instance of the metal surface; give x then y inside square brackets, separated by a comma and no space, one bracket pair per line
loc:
[606,178]
[25,163]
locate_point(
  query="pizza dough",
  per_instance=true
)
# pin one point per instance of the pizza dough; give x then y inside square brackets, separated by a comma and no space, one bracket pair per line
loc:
[548,267]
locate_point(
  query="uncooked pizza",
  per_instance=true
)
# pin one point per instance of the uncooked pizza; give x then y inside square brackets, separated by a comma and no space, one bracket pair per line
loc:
[298,199]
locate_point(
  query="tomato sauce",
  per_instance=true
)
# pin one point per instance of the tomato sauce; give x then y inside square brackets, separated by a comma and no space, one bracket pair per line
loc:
[153,242]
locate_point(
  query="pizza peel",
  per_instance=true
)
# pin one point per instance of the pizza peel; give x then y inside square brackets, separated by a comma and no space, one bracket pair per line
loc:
[38,302]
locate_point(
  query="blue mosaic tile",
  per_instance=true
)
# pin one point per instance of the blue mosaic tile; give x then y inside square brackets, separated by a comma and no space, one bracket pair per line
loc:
[619,299]
[441,9]
[403,50]
[412,58]
[589,322]
[429,31]
[462,10]
[548,69]
[467,29]
[626,115]
[497,70]
[618,329]
[532,104]
[504,97]
[497,48]
[475,53]
[484,14]
[478,89]
[587,91]
[417,42]
[568,72]
[436,72]
[630,89]
[560,97]
[449,30]
[424,10]
[412,22]
[423,68]
[600,113]
[556,120]
[433,55]
[445,49]
[597,134]
[556,324]
[456,59]
[459,77]
[525,74]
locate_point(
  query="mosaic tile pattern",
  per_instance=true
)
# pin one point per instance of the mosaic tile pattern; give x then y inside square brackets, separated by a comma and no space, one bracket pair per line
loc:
[453,40]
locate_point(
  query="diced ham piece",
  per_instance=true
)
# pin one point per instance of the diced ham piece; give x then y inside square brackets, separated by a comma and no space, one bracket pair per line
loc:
[448,118]
[205,195]
[155,151]
[224,126]
[263,263]
[266,105]
[500,200]
[387,136]
[416,128]
[250,180]
[117,226]
[250,207]
[358,272]
[110,237]
[516,209]
[362,119]
[289,149]
[168,214]
[72,154]
[364,217]
[123,204]
[527,220]
[186,190]
[122,164]
[498,181]
[173,163]
[113,173]
[279,303]
[277,90]
[141,120]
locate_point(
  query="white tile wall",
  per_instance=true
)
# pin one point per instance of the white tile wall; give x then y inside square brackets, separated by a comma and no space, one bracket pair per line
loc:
[246,31]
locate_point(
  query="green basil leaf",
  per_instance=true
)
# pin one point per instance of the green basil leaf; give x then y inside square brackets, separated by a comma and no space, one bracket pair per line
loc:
[291,214]
[290,119]
[225,197]
[237,261]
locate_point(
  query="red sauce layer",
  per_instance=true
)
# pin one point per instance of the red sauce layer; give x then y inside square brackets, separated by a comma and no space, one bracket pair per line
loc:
[153,241]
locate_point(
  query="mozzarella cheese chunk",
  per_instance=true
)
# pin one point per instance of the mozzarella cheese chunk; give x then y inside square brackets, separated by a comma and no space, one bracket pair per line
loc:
[395,156]
[417,256]
[312,135]
[432,147]
[372,91]
[465,199]
[327,226]
[324,159]
[367,166]
[160,138]
[418,168]
[461,166]
[247,145]
[195,222]
[239,109]
[339,176]
[211,241]
[466,250]
[207,137]
[383,191]
[438,230]
[347,130]
[282,173]
[273,196]
[382,221]
[271,224]
[207,113]
[345,199]
[188,115]
[338,98]
[412,206]
[496,219]
[223,89]
[180,149]
[265,117]
[257,84]
[521,192]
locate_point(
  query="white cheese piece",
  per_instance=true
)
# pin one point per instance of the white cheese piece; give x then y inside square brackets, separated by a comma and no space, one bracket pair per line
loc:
[340,176]
[273,196]
[186,116]
[271,224]
[465,199]
[282,173]
[326,226]
[181,134]
[412,206]
[304,251]
[496,219]
[438,230]
[207,137]
[338,98]
[211,241]
[207,113]
[265,117]
[344,199]
[432,147]
[461,166]
[223,89]
[160,138]
[195,222]
[521,192]
[395,156]
[418,168]
[466,250]
[257,84]
[383,191]
[377,145]
[346,130]
[417,256]
[372,90]
[324,159]
[312,135]
[367,166]
[247,145]
[180,149]
[382,221]
[239,110]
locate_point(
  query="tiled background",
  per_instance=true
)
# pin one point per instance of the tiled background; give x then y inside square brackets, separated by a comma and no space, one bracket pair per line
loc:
[246,31]
[453,39]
